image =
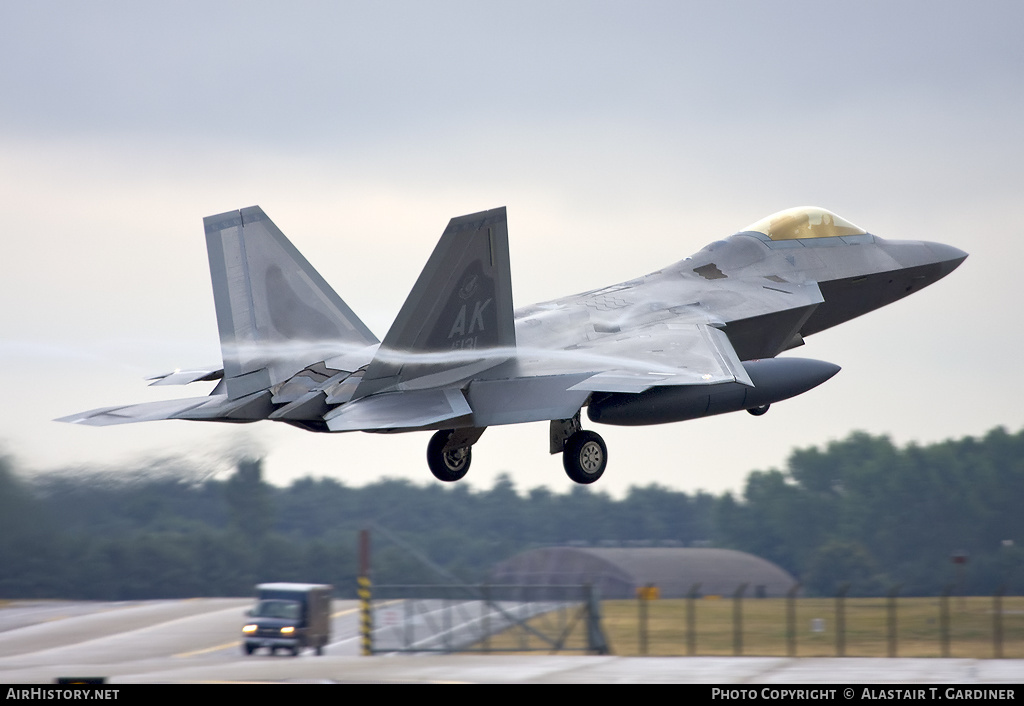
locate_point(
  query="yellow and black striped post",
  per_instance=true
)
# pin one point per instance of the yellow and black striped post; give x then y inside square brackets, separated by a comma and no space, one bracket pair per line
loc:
[365,595]
[366,616]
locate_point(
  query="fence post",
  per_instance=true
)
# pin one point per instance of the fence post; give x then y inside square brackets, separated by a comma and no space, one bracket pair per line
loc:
[997,622]
[893,592]
[642,605]
[596,642]
[944,619]
[486,618]
[737,620]
[446,606]
[691,620]
[841,620]
[408,624]
[791,619]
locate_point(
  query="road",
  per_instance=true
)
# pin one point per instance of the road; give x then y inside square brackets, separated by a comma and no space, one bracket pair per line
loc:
[42,640]
[197,641]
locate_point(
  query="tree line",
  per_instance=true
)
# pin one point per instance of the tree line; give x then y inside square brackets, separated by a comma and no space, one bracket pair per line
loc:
[861,512]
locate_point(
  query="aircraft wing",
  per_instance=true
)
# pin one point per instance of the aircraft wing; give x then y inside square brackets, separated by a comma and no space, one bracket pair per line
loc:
[666,354]
[658,354]
[539,388]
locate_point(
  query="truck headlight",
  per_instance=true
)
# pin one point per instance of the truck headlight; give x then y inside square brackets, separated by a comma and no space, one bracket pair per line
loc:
[250,628]
[287,630]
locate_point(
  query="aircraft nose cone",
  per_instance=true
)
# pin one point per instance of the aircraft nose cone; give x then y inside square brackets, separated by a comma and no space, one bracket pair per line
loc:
[947,256]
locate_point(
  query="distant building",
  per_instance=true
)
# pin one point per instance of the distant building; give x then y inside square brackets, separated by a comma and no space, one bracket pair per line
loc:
[618,572]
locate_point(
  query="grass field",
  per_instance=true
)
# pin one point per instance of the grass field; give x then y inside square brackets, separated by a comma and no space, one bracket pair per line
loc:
[764,632]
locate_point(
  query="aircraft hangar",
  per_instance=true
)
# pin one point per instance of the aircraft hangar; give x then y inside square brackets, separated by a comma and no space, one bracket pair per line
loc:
[619,572]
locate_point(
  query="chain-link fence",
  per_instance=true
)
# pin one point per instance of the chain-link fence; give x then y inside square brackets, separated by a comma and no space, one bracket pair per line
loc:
[840,626]
[459,618]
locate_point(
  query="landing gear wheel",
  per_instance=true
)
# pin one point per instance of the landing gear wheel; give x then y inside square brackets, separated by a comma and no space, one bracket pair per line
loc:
[585,457]
[758,411]
[447,465]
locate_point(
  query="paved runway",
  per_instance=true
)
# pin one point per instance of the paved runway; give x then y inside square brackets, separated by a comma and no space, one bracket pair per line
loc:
[197,641]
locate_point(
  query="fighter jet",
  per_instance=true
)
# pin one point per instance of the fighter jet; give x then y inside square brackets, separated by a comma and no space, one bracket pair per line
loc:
[700,337]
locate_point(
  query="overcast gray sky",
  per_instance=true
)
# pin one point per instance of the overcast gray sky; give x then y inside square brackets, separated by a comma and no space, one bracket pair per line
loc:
[622,136]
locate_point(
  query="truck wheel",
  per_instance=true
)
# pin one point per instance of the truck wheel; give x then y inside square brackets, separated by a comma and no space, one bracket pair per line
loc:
[247,648]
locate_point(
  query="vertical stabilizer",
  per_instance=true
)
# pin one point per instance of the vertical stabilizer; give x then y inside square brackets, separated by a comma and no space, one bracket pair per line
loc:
[461,303]
[275,313]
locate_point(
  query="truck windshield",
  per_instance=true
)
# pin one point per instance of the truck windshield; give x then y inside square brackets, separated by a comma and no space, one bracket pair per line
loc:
[287,610]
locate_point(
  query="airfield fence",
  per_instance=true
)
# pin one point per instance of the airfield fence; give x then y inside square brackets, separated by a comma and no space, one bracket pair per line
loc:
[838,626]
[558,619]
[485,618]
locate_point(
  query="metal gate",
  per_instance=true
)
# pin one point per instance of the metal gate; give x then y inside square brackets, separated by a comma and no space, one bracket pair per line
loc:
[486,619]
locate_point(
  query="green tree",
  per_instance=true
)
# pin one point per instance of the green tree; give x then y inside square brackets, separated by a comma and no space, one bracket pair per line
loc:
[837,563]
[249,500]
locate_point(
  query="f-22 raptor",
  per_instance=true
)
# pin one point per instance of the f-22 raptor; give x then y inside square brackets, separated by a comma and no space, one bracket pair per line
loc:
[697,338]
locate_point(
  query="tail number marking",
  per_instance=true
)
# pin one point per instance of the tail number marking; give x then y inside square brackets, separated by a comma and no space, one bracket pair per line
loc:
[466,339]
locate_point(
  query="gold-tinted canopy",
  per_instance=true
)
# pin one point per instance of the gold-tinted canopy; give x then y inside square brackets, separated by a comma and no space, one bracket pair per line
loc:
[804,222]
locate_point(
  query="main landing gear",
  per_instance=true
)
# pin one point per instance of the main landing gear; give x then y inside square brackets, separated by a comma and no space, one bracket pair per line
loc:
[585,457]
[450,452]
[584,454]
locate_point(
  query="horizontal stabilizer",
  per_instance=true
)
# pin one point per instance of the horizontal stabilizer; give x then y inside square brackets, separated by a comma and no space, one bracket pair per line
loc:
[184,377]
[145,412]
[400,410]
[250,408]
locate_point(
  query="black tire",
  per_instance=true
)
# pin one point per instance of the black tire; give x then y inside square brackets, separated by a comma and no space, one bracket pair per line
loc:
[585,457]
[295,651]
[451,465]
[319,650]
[758,411]
[247,648]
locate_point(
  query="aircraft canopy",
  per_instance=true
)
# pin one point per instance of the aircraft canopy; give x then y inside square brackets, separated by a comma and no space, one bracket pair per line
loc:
[804,222]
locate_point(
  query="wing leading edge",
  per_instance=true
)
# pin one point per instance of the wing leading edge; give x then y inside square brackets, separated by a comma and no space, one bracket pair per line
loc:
[667,355]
